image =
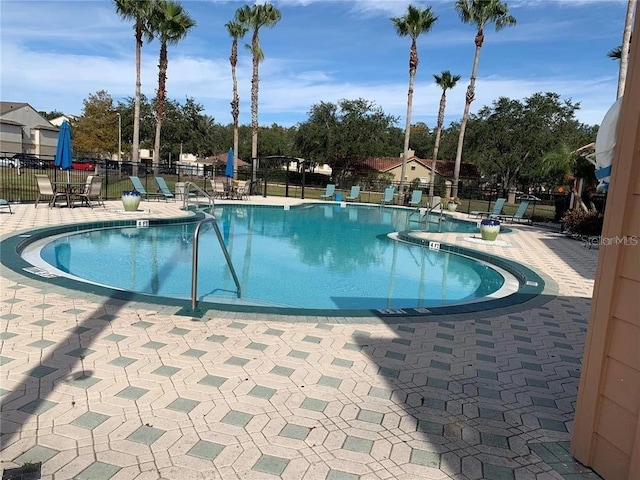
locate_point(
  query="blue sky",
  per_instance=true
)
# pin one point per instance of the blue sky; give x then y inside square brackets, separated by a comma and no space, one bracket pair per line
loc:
[55,53]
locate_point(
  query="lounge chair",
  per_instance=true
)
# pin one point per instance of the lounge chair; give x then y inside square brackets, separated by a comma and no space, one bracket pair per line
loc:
[354,195]
[164,188]
[45,189]
[388,195]
[416,198]
[329,193]
[92,191]
[138,187]
[5,204]
[497,210]
[519,215]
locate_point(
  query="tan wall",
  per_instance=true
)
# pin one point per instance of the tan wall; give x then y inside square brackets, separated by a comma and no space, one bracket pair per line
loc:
[11,138]
[606,434]
[419,172]
[39,141]
[48,142]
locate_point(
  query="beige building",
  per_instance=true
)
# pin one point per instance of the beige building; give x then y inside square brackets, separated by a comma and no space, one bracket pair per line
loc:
[606,431]
[24,130]
[421,169]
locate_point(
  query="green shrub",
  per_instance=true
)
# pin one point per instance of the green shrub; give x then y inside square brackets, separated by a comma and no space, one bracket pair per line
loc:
[583,223]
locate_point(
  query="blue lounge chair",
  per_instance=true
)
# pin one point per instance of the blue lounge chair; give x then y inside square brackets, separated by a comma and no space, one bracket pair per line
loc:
[388,195]
[416,198]
[497,210]
[329,192]
[164,189]
[354,195]
[138,187]
[519,215]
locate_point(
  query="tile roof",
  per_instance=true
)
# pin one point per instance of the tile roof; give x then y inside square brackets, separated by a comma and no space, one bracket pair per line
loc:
[221,159]
[443,167]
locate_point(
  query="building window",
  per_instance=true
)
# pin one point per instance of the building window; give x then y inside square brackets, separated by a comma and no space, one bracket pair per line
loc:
[413,167]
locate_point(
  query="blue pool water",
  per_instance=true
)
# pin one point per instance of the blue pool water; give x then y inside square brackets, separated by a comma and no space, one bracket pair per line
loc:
[312,257]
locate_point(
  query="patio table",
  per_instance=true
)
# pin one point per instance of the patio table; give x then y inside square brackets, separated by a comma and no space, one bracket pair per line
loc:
[69,189]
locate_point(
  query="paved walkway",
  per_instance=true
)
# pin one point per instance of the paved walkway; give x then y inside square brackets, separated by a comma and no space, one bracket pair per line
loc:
[96,388]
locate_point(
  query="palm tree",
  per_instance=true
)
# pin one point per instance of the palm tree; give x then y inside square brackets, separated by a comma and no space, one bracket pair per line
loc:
[254,18]
[236,31]
[562,162]
[479,13]
[140,12]
[624,48]
[445,81]
[170,23]
[414,23]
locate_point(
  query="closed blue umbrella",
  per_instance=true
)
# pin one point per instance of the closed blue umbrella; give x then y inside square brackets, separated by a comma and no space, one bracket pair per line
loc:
[63,151]
[229,170]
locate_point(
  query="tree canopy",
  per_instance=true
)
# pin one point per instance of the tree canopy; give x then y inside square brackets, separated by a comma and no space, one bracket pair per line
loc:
[510,138]
[343,134]
[95,132]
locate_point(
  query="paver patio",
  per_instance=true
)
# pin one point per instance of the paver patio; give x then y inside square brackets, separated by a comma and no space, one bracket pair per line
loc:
[99,388]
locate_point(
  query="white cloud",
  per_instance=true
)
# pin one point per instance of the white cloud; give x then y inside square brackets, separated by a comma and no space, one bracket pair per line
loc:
[595,95]
[62,81]
[56,60]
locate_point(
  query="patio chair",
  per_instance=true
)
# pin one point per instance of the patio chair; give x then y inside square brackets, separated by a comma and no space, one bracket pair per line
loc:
[354,195]
[219,190]
[497,210]
[138,187]
[387,198]
[164,189]
[45,189]
[242,193]
[329,192]
[416,199]
[5,204]
[519,215]
[93,191]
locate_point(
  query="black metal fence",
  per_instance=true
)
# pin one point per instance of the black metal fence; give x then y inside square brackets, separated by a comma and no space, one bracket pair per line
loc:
[18,185]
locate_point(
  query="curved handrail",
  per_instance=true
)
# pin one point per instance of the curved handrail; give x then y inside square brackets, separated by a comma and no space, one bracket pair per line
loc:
[440,218]
[186,191]
[425,217]
[194,267]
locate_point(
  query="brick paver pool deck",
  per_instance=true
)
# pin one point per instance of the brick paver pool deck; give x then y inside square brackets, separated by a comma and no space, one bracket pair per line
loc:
[97,388]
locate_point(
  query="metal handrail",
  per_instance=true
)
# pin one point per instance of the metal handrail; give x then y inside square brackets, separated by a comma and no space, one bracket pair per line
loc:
[194,267]
[439,219]
[187,190]
[425,218]
[409,219]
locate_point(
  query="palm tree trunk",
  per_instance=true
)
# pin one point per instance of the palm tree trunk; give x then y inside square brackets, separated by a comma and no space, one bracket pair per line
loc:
[235,106]
[413,65]
[470,96]
[624,53]
[436,146]
[162,86]
[135,155]
[254,108]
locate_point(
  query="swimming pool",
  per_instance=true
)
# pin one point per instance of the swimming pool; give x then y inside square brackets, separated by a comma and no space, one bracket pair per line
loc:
[316,256]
